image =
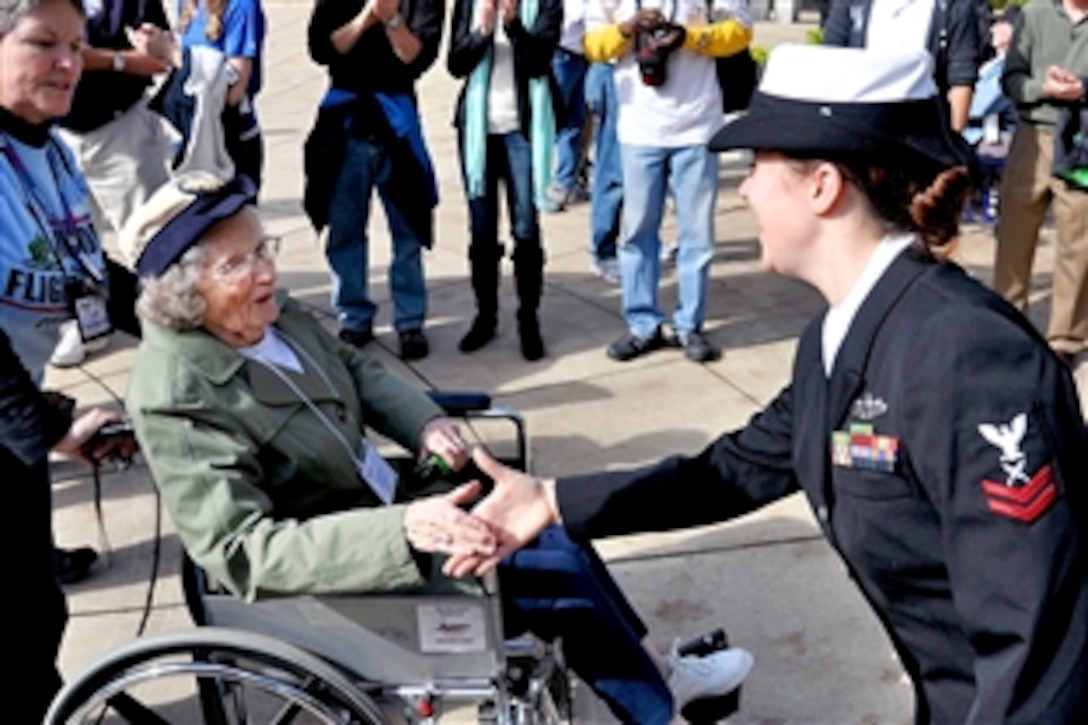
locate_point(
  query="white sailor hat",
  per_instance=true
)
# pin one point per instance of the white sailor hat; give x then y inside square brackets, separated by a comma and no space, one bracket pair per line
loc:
[817,100]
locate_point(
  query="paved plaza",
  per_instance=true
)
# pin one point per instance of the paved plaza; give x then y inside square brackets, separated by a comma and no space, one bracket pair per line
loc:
[769,578]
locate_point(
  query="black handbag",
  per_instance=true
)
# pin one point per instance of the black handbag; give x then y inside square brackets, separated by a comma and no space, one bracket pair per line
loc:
[737,76]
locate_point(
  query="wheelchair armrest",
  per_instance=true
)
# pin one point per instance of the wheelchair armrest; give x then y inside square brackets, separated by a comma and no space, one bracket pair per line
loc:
[460,402]
[478,405]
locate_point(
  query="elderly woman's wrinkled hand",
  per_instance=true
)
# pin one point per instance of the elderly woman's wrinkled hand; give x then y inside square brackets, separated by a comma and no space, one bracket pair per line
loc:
[437,524]
[442,437]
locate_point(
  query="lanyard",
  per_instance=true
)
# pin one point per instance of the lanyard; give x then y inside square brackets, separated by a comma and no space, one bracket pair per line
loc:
[294,388]
[36,206]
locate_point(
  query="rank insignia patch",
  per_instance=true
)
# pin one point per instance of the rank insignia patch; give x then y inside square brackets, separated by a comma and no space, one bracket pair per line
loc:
[1026,502]
[1020,496]
[861,447]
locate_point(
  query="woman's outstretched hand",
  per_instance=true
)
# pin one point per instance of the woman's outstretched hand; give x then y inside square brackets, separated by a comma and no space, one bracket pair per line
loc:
[517,510]
[437,524]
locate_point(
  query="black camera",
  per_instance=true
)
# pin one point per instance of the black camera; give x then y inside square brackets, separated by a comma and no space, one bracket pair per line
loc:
[117,437]
[653,48]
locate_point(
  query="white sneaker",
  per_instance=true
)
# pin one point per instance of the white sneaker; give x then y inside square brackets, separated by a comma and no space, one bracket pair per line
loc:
[718,673]
[607,269]
[71,350]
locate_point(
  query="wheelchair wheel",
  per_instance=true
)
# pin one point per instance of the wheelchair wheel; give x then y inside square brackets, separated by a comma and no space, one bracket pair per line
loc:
[226,677]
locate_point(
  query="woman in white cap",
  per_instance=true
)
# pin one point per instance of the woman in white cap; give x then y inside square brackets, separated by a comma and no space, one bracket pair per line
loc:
[934,433]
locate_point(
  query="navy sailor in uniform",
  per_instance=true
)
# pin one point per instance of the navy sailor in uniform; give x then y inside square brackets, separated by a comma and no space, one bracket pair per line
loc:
[936,436]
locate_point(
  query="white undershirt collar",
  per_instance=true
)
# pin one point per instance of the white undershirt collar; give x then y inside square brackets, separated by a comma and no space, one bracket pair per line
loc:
[273,350]
[839,318]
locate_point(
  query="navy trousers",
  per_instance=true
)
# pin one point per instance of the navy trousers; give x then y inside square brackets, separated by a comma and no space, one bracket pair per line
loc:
[557,588]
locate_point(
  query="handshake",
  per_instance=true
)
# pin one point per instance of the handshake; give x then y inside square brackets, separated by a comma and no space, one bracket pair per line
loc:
[655,39]
[476,533]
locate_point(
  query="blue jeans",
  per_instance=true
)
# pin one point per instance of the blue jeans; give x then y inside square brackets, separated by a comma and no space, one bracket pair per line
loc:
[510,159]
[556,588]
[691,173]
[367,165]
[606,202]
[569,70]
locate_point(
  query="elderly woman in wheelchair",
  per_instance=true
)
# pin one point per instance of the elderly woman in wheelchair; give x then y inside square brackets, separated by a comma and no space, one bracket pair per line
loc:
[253,422]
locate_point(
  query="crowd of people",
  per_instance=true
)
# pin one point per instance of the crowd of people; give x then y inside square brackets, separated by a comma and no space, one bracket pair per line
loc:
[113,120]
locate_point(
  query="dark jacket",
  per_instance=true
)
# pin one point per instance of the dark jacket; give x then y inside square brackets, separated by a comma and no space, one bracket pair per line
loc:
[371,64]
[363,117]
[533,48]
[29,427]
[953,36]
[103,95]
[967,540]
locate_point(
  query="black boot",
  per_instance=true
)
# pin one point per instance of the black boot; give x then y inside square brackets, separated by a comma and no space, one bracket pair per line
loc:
[529,274]
[484,264]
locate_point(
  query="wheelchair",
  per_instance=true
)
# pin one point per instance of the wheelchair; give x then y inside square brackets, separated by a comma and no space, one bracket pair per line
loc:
[334,659]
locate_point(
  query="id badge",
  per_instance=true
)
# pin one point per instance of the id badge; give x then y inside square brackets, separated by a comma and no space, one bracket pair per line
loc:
[92,317]
[377,473]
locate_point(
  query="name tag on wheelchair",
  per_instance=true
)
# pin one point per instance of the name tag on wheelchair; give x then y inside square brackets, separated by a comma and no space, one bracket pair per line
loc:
[452,627]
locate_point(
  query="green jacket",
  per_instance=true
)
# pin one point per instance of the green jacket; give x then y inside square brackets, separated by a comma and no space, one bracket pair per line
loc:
[263,496]
[1045,36]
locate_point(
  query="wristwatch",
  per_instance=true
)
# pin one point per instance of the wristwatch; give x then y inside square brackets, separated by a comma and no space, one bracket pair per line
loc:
[118,62]
[395,21]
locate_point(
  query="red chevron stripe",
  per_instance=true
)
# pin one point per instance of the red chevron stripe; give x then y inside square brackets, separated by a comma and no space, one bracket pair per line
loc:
[1027,514]
[1019,494]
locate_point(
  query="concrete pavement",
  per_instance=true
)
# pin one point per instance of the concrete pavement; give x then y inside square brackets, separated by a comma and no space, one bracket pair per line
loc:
[769,578]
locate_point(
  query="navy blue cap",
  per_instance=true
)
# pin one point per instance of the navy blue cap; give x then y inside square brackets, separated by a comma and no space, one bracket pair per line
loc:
[186,227]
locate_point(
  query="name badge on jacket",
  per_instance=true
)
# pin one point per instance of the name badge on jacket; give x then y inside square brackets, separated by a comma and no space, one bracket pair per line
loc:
[377,473]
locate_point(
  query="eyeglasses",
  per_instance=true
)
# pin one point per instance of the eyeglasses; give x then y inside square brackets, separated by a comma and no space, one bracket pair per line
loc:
[243,266]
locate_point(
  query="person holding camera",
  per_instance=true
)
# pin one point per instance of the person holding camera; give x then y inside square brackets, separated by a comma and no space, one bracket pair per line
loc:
[669,107]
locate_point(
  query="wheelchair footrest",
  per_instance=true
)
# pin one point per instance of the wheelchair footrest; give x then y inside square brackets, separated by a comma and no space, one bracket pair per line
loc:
[708,710]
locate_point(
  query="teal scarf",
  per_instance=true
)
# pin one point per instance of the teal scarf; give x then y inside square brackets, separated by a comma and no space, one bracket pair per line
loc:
[474,130]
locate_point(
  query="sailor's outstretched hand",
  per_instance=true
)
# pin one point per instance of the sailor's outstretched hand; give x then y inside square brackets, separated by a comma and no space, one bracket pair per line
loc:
[518,508]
